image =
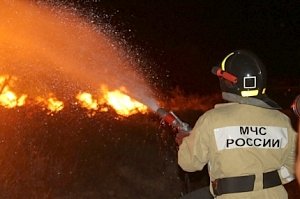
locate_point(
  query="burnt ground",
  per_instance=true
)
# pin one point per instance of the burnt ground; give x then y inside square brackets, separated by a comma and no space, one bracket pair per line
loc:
[73,155]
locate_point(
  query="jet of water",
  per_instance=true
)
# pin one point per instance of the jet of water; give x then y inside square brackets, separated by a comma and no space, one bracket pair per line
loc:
[55,50]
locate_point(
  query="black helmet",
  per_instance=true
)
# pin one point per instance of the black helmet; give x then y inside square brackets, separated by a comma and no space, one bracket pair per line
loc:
[242,73]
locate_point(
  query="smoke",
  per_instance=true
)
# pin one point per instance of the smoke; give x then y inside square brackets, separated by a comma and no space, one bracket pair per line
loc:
[55,51]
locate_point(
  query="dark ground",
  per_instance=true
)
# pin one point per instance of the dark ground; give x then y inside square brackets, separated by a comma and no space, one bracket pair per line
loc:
[70,155]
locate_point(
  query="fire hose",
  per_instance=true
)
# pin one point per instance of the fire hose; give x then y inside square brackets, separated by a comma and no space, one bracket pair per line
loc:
[172,120]
[177,126]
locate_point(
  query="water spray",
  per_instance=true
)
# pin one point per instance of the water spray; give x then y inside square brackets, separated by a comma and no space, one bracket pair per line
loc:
[172,120]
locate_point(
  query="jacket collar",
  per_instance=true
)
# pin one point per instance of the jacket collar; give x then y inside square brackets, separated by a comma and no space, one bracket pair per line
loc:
[245,100]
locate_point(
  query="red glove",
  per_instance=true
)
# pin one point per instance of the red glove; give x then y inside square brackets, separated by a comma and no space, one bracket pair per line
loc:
[179,137]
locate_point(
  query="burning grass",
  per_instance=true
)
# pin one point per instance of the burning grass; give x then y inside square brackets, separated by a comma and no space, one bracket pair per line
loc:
[122,103]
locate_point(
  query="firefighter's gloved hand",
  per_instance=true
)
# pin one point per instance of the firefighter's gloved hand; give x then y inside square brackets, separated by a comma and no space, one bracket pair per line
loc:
[179,137]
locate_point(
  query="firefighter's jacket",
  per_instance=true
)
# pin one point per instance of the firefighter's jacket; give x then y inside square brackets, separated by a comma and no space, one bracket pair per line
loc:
[240,140]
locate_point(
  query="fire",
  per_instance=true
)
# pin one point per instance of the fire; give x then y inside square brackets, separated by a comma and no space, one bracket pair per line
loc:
[52,104]
[122,103]
[8,98]
[117,99]
[55,105]
[86,100]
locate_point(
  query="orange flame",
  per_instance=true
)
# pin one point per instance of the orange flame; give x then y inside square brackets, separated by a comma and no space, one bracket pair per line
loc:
[122,103]
[117,99]
[8,98]
[86,100]
[52,104]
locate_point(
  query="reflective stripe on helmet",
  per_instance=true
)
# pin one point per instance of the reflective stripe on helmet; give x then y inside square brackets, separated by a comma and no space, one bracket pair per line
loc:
[249,93]
[224,60]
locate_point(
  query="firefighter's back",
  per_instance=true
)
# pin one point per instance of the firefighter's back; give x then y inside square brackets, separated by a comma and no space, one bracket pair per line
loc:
[250,141]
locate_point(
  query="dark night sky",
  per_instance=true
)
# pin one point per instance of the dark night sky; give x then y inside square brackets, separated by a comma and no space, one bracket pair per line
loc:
[183,39]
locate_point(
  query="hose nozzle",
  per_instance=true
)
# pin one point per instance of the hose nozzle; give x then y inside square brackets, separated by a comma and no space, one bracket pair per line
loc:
[172,120]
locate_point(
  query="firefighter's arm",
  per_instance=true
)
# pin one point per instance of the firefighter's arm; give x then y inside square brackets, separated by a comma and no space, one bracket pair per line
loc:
[179,137]
[287,171]
[193,152]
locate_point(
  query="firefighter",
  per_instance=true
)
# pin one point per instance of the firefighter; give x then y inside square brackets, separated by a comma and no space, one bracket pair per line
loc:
[296,108]
[298,157]
[248,144]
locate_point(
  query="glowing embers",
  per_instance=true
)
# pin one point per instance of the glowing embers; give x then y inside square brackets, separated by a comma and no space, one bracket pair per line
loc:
[8,98]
